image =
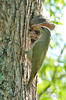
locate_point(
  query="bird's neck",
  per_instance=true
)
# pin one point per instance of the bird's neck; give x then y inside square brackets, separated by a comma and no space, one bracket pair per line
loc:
[45,36]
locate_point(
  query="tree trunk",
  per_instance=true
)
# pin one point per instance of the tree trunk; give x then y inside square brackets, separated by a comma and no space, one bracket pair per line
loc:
[15,16]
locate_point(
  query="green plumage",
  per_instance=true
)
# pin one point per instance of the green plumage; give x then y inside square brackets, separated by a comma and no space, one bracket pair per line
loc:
[38,51]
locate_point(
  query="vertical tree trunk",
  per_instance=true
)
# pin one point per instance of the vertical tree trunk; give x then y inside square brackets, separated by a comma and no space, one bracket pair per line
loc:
[15,16]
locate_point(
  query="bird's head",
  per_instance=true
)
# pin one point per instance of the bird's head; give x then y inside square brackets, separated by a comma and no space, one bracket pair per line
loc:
[44,30]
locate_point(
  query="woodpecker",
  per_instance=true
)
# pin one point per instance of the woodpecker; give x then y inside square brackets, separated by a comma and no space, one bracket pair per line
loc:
[37,52]
[34,30]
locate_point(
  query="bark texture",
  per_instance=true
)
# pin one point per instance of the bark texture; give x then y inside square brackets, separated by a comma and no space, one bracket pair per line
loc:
[15,18]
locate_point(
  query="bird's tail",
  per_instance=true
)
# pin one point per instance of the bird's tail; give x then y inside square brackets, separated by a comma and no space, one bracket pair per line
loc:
[30,81]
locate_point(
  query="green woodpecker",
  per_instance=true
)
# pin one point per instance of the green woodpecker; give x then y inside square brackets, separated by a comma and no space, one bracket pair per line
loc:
[38,51]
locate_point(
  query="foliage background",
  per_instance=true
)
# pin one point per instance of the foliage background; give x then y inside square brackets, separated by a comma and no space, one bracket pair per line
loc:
[52,75]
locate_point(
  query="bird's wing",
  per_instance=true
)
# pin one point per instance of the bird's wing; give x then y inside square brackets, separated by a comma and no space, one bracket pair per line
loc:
[38,56]
[29,55]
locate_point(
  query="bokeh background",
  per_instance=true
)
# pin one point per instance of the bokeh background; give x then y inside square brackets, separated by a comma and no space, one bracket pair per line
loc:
[52,75]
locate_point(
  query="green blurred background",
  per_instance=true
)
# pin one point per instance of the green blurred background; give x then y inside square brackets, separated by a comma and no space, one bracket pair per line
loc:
[52,75]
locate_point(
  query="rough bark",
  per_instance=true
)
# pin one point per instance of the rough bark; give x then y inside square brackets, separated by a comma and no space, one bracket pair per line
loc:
[15,16]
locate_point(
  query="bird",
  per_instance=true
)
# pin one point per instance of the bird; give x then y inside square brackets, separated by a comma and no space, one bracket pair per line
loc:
[37,52]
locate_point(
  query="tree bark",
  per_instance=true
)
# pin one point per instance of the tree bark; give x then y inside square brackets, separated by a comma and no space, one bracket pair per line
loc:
[15,17]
